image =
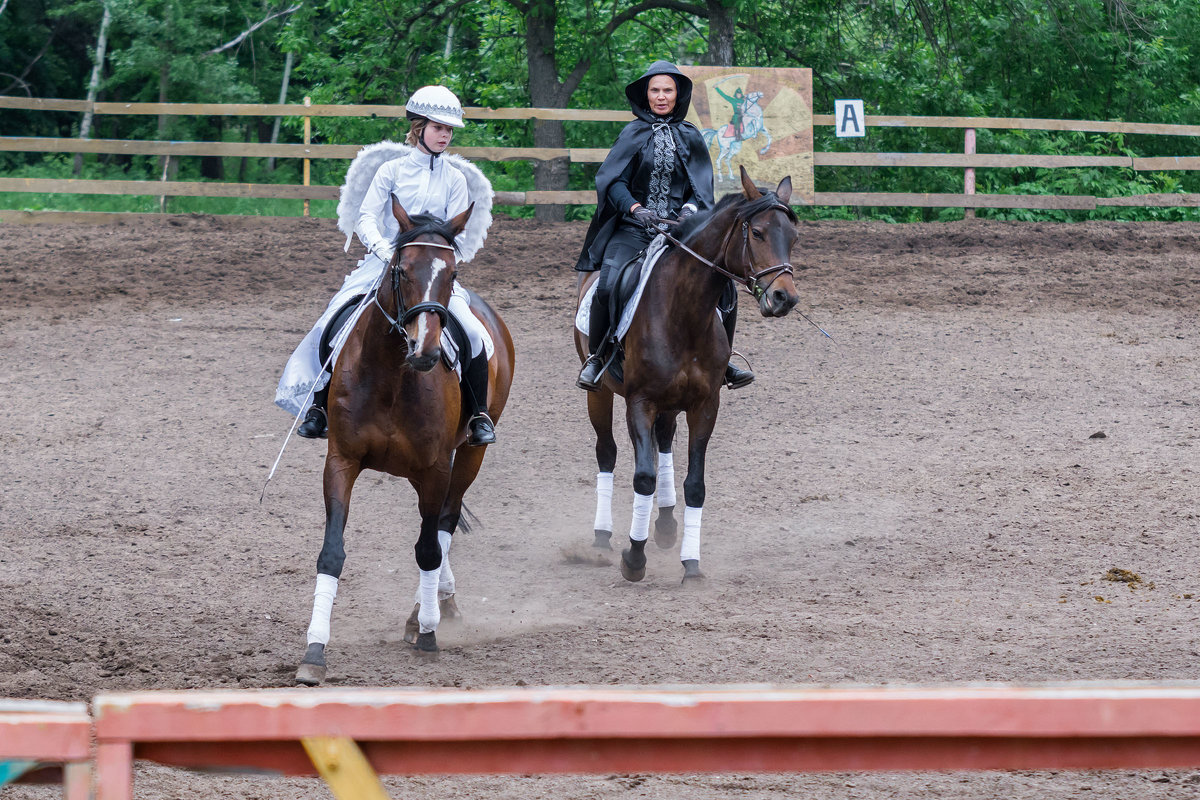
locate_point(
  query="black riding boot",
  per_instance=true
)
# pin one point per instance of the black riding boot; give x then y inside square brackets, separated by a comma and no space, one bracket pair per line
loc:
[735,377]
[593,369]
[316,423]
[480,428]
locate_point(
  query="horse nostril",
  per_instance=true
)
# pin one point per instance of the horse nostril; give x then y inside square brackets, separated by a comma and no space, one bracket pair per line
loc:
[780,298]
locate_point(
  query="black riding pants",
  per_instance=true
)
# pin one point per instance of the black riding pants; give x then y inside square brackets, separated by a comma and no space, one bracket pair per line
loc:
[626,242]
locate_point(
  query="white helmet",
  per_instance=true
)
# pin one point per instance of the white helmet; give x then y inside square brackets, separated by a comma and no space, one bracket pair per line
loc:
[436,103]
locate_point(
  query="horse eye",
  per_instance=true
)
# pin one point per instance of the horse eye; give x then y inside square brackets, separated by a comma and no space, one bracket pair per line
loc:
[757,233]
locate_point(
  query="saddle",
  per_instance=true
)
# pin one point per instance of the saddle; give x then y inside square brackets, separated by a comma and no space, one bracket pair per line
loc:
[624,287]
[450,355]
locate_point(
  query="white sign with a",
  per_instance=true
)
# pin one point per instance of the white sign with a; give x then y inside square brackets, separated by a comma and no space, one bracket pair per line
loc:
[848,118]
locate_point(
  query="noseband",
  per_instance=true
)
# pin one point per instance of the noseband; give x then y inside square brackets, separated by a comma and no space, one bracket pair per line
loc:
[406,314]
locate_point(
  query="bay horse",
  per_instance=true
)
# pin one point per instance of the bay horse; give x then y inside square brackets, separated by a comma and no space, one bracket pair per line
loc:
[395,407]
[676,352]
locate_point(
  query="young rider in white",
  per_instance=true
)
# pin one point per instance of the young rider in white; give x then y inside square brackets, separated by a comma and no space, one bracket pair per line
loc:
[425,181]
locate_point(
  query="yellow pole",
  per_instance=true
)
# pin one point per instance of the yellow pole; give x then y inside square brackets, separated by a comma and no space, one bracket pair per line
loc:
[344,767]
[307,140]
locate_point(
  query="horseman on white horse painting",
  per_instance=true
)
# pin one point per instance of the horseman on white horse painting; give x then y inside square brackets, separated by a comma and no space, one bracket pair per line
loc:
[746,125]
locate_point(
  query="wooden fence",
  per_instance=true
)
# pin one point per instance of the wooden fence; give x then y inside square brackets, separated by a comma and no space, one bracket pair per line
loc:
[347,736]
[968,160]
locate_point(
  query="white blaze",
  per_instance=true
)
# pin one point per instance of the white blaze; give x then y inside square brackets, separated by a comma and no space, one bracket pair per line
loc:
[423,321]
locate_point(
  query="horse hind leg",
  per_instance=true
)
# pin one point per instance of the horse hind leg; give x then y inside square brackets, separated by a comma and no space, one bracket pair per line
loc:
[665,527]
[600,410]
[338,483]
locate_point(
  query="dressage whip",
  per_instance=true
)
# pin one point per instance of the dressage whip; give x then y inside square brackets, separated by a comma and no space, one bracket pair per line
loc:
[327,366]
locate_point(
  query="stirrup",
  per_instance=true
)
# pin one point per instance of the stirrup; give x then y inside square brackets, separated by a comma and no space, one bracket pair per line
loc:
[591,374]
[481,430]
[315,424]
[735,377]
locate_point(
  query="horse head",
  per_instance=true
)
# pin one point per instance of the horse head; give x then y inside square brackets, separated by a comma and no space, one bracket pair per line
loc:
[768,232]
[423,269]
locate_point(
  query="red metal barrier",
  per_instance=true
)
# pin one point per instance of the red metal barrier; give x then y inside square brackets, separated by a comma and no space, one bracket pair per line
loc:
[49,734]
[591,730]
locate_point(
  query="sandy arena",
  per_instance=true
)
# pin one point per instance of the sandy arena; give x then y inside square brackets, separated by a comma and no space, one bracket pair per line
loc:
[1008,413]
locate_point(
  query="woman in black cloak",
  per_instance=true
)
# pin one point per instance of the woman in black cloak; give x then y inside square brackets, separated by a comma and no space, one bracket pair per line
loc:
[658,169]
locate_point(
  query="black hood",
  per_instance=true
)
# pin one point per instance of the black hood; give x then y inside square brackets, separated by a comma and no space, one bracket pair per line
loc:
[636,92]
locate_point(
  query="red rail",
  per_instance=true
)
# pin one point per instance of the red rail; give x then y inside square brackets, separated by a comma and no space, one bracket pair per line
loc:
[49,734]
[738,729]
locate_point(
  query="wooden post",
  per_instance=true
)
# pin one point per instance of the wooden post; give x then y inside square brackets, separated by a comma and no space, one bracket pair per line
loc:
[345,769]
[307,140]
[969,172]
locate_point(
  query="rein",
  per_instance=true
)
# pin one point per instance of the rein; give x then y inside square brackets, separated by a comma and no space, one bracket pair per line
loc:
[406,315]
[750,280]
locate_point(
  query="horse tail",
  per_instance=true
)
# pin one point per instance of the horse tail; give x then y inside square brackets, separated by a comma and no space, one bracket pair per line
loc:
[467,519]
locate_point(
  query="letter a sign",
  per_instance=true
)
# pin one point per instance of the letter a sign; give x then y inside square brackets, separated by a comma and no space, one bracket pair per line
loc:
[848,118]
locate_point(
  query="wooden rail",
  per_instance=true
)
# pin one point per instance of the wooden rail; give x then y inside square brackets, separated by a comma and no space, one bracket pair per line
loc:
[701,729]
[54,739]
[969,160]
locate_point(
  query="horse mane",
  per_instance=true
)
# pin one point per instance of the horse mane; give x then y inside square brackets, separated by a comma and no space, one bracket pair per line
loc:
[746,209]
[426,223]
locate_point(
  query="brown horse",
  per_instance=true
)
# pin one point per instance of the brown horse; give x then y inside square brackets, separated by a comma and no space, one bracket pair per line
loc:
[395,407]
[676,352]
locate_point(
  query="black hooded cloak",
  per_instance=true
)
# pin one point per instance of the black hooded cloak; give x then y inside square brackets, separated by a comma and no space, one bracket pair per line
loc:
[632,154]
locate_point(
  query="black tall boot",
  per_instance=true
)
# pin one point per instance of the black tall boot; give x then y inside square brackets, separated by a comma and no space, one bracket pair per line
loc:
[593,369]
[735,377]
[316,422]
[480,428]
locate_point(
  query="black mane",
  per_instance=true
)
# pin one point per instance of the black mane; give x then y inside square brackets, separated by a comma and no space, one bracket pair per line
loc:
[746,210]
[423,224]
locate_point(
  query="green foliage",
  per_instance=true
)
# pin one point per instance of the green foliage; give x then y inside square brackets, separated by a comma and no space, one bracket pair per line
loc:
[1065,59]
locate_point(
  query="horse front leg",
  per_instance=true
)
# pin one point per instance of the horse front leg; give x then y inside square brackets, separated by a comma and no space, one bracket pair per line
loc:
[340,474]
[640,417]
[600,411]
[432,490]
[467,461]
[665,527]
[701,422]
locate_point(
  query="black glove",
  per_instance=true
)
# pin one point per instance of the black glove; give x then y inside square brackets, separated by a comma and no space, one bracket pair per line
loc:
[646,217]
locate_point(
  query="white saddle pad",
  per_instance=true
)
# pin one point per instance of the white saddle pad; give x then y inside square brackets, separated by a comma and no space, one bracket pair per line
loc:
[584,313]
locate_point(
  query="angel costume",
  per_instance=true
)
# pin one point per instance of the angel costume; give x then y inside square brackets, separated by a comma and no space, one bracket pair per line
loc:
[441,185]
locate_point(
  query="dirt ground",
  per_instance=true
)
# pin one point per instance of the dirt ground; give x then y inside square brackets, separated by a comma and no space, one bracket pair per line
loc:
[1007,413]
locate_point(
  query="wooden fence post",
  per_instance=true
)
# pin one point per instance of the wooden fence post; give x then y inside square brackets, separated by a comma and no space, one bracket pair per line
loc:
[307,140]
[969,172]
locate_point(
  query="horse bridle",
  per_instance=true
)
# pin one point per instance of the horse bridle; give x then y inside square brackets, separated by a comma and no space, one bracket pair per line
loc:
[750,280]
[406,314]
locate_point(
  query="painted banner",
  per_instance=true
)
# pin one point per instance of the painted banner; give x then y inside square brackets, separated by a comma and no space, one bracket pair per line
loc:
[757,117]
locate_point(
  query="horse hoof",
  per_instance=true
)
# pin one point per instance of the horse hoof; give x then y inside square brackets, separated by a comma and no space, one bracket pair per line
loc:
[666,529]
[631,572]
[449,608]
[312,668]
[411,626]
[692,576]
[425,645]
[603,540]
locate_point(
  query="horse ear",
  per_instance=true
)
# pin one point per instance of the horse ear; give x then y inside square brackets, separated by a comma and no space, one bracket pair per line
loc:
[752,192]
[458,223]
[401,215]
[784,190]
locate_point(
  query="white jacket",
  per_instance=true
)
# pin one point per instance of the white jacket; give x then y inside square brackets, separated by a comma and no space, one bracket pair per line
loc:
[422,184]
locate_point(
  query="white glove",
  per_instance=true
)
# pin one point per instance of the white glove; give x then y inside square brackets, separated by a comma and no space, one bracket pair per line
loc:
[384,252]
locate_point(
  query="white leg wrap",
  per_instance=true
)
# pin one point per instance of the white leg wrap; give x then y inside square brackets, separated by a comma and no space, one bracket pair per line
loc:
[430,614]
[604,489]
[318,628]
[643,504]
[691,534]
[666,480]
[445,576]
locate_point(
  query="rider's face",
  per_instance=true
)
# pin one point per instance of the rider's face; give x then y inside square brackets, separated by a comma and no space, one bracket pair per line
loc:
[437,136]
[661,93]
